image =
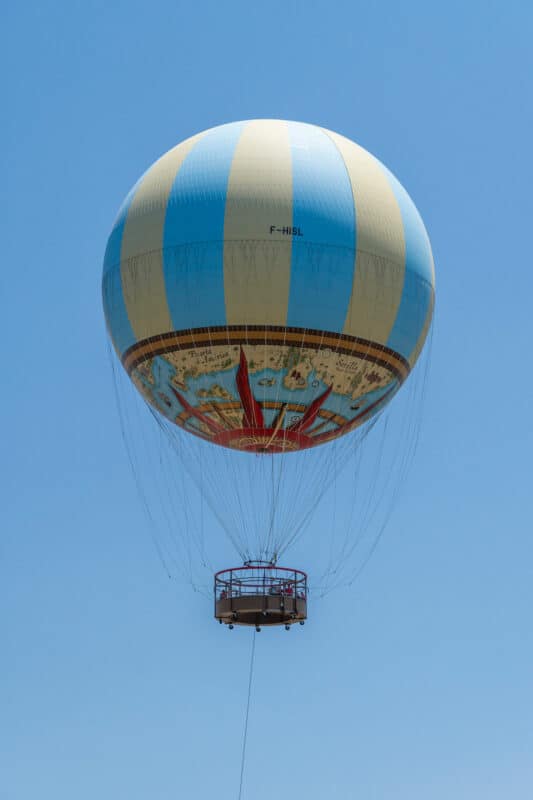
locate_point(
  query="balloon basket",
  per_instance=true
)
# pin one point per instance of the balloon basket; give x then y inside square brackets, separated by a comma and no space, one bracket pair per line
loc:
[260,594]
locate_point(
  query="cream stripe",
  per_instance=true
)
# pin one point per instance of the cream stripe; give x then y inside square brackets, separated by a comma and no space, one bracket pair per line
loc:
[380,259]
[424,332]
[141,254]
[257,264]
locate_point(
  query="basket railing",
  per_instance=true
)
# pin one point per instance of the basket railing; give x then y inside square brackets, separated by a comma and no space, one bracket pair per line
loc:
[270,580]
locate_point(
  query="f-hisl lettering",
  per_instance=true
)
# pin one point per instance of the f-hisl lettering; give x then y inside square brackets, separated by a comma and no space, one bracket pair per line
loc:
[287,231]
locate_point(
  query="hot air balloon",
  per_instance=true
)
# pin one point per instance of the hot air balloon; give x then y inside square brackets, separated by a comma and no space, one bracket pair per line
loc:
[268,287]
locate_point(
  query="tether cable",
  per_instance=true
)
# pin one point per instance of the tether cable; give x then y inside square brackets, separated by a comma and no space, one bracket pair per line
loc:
[245,734]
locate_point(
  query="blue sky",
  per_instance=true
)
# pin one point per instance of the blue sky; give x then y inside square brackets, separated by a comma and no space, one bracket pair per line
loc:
[114,681]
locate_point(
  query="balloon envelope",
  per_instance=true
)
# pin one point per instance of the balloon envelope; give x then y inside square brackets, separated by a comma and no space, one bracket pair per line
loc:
[268,285]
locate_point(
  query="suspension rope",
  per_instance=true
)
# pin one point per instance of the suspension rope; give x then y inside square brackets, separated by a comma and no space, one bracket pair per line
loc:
[245,734]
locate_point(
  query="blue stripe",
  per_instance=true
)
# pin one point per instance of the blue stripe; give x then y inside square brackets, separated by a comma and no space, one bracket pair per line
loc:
[418,281]
[194,275]
[323,210]
[116,315]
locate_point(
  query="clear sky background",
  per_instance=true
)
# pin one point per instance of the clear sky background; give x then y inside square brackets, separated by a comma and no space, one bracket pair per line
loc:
[415,684]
